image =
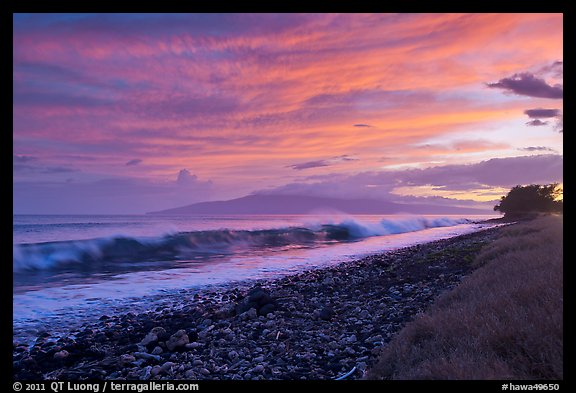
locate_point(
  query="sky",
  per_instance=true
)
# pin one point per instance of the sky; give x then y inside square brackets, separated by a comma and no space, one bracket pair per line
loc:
[130,113]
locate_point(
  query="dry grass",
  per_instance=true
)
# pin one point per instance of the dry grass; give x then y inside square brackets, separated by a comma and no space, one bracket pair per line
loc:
[504,321]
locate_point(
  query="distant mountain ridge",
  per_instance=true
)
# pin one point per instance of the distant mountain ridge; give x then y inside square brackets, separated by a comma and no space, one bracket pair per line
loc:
[298,204]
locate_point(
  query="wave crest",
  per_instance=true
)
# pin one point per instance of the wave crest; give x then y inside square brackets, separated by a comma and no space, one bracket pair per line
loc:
[89,254]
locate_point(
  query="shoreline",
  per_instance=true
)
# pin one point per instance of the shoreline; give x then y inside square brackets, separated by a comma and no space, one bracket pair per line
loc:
[318,324]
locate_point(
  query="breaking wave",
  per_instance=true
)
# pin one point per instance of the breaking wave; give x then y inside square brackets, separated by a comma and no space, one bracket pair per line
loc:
[89,254]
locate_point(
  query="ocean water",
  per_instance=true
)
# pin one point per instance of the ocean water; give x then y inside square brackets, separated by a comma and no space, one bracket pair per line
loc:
[76,268]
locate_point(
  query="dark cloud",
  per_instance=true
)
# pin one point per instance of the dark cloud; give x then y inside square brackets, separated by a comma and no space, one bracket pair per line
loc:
[29,164]
[541,113]
[527,84]
[497,172]
[135,161]
[309,164]
[536,122]
[344,157]
[321,163]
[362,125]
[537,148]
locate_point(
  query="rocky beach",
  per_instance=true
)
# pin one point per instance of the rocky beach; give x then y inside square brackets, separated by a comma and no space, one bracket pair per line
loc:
[325,323]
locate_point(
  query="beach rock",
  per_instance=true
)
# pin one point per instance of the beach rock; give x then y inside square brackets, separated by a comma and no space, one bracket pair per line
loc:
[225,311]
[146,373]
[153,336]
[61,355]
[126,359]
[155,371]
[258,369]
[167,367]
[250,314]
[259,299]
[267,309]
[177,340]
[326,313]
[147,356]
[193,345]
[351,339]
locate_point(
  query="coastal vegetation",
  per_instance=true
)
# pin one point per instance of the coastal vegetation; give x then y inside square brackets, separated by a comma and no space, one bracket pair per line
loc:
[504,321]
[534,198]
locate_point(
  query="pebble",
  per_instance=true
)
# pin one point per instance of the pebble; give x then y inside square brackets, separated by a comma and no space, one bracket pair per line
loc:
[258,369]
[177,340]
[326,313]
[60,355]
[146,356]
[126,359]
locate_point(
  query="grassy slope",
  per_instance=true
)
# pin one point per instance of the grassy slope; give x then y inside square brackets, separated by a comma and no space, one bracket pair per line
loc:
[504,321]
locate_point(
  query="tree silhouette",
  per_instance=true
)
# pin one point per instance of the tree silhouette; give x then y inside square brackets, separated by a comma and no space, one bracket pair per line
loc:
[522,200]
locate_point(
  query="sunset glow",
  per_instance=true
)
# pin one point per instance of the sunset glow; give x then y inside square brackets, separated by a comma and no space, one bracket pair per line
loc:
[130,113]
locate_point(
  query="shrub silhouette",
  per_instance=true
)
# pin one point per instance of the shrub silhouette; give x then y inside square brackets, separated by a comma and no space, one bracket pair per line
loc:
[535,198]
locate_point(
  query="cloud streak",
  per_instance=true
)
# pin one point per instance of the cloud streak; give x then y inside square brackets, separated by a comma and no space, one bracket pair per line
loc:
[322,163]
[261,100]
[542,113]
[133,162]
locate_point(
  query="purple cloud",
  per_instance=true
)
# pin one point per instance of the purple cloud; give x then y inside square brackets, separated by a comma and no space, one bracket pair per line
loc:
[537,148]
[497,172]
[309,164]
[526,84]
[541,113]
[29,164]
[321,163]
[135,161]
[362,125]
[560,124]
[536,123]
[188,180]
